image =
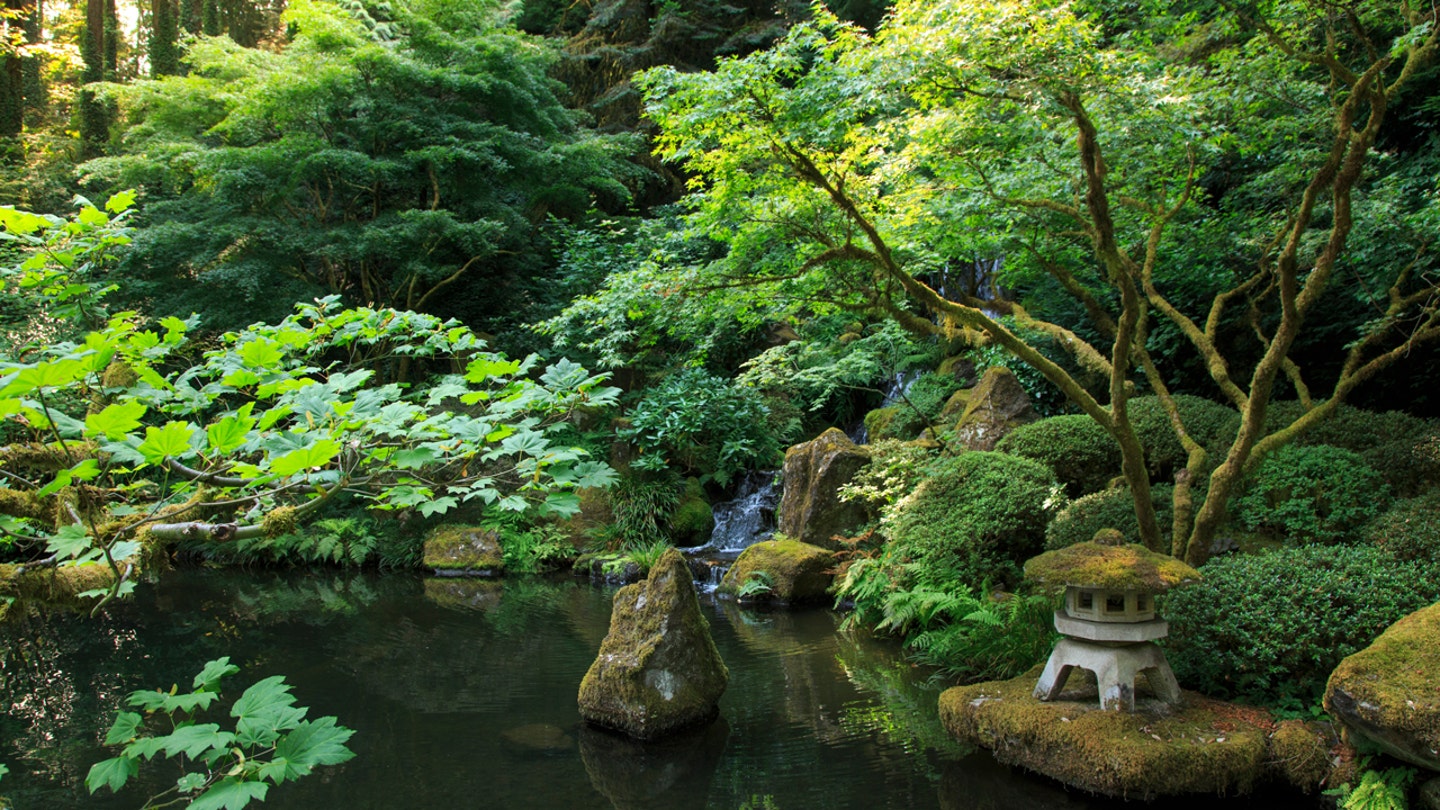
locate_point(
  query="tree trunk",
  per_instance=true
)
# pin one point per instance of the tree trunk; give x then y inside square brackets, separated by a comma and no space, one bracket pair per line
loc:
[164,39]
[12,93]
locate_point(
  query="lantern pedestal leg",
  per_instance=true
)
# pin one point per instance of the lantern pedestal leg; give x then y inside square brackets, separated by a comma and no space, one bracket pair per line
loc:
[1115,668]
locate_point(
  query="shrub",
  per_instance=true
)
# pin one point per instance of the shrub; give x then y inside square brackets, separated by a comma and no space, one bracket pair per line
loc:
[1271,627]
[1081,454]
[1108,509]
[976,517]
[642,506]
[1409,529]
[702,423]
[921,404]
[1317,494]
[1210,424]
[1391,442]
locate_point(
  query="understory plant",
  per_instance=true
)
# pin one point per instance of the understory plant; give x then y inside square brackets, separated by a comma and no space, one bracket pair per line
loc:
[1376,790]
[1312,494]
[271,742]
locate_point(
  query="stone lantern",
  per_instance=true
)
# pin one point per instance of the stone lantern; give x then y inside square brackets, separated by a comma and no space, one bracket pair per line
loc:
[1108,620]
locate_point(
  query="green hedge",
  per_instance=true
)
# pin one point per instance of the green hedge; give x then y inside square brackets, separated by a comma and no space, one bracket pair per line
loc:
[1081,454]
[1108,509]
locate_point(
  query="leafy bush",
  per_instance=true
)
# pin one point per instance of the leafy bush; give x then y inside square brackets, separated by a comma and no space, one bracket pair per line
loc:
[1316,494]
[976,517]
[1107,509]
[1210,424]
[1409,529]
[895,469]
[701,423]
[1044,396]
[1081,454]
[641,506]
[272,742]
[1392,442]
[921,404]
[1272,626]
[336,541]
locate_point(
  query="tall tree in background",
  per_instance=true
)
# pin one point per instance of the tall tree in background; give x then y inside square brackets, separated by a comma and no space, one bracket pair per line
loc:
[98,51]
[164,39]
[37,95]
[12,84]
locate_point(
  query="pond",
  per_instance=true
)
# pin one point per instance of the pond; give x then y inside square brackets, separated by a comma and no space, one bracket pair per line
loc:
[442,680]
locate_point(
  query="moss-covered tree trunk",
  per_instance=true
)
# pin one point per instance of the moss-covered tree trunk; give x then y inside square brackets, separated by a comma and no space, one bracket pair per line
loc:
[164,39]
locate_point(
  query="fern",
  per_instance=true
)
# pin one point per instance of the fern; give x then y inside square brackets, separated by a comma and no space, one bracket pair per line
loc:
[1378,790]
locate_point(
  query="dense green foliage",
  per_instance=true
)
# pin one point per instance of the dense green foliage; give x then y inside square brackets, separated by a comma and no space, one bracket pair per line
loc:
[272,742]
[699,423]
[385,169]
[1314,494]
[1409,529]
[1107,509]
[1081,454]
[1271,626]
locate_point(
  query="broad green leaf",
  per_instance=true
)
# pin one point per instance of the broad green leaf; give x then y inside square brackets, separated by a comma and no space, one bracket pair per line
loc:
[265,698]
[90,215]
[316,455]
[69,541]
[230,794]
[313,743]
[438,506]
[120,201]
[261,354]
[190,782]
[192,740]
[208,680]
[123,729]
[173,440]
[563,504]
[483,368]
[111,773]
[414,458]
[22,222]
[114,421]
[228,434]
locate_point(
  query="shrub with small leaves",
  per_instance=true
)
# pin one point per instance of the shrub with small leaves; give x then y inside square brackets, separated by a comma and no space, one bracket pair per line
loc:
[1108,509]
[1317,494]
[1083,456]
[271,743]
[1409,529]
[1266,627]
[1210,424]
[697,422]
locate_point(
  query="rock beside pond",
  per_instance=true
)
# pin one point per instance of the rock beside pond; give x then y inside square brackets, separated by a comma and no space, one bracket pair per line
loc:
[658,670]
[994,407]
[1201,746]
[1430,795]
[454,550]
[1389,692]
[793,572]
[810,508]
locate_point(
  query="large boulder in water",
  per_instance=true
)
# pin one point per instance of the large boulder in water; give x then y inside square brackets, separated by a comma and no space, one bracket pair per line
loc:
[792,572]
[658,670]
[810,509]
[1389,692]
[993,408]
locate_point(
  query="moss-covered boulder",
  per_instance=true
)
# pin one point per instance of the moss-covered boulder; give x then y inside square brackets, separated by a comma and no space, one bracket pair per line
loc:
[52,587]
[996,406]
[1205,746]
[694,518]
[810,508]
[880,424]
[459,551]
[1389,692]
[794,572]
[658,670]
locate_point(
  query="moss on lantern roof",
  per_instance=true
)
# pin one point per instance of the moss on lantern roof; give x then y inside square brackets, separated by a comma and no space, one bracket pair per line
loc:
[1109,563]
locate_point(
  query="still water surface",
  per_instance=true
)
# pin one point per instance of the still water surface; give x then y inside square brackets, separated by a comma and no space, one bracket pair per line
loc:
[462,694]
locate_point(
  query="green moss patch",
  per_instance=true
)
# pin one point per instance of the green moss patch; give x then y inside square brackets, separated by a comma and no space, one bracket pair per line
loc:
[58,586]
[1202,746]
[1390,691]
[1125,567]
[796,572]
[460,550]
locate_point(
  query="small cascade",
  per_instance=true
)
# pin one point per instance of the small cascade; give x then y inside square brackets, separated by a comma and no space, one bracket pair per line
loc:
[746,519]
[899,386]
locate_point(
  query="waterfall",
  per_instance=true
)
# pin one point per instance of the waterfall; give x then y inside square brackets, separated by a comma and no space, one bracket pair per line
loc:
[746,519]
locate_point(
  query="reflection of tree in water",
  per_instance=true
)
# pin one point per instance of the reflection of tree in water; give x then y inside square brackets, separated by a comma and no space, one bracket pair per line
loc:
[59,681]
[906,711]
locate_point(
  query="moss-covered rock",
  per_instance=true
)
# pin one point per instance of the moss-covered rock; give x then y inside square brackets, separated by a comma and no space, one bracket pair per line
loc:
[880,424]
[1389,692]
[1300,755]
[658,670]
[694,518]
[795,572]
[1430,795]
[1205,746]
[55,586]
[608,568]
[464,594]
[996,406]
[810,509]
[454,550]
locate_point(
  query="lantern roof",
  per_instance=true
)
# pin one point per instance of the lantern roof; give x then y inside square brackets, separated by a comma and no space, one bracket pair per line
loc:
[1109,563]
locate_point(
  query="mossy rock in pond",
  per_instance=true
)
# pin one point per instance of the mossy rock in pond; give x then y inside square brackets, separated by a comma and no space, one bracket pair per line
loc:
[1300,756]
[658,670]
[795,572]
[810,508]
[1201,746]
[608,568]
[455,550]
[693,519]
[1389,692]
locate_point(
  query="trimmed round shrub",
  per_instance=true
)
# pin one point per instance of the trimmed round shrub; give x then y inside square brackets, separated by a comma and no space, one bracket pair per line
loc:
[1409,530]
[1317,494]
[1082,455]
[1108,509]
[976,517]
[1210,424]
[1270,627]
